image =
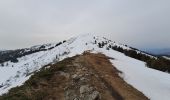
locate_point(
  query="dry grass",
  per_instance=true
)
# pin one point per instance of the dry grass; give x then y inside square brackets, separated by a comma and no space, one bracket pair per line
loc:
[109,74]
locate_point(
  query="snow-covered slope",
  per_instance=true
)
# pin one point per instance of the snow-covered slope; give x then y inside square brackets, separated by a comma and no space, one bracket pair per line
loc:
[166,57]
[154,84]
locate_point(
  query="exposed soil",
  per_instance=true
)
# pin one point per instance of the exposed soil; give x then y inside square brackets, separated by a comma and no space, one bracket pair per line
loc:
[83,77]
[118,88]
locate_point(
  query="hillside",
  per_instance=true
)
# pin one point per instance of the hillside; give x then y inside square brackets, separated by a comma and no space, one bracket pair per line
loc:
[167,57]
[12,55]
[82,77]
[152,83]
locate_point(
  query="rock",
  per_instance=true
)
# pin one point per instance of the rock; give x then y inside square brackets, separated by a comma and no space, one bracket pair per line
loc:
[94,96]
[88,93]
[47,67]
[76,64]
[64,74]
[85,89]
[75,99]
[1,86]
[77,77]
[74,76]
[83,69]
[82,79]
[71,95]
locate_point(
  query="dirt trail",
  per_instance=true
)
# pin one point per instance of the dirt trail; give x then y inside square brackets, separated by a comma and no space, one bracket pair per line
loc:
[108,74]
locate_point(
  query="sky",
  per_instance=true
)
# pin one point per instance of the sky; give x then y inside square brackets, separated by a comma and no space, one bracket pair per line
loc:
[143,24]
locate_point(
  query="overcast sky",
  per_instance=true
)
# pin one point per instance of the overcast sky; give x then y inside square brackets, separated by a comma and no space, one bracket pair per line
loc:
[138,23]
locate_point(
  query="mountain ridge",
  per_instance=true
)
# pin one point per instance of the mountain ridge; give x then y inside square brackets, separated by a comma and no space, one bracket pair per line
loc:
[10,54]
[27,65]
[80,77]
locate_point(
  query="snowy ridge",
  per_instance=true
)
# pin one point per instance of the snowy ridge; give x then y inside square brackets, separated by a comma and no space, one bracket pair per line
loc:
[168,58]
[154,84]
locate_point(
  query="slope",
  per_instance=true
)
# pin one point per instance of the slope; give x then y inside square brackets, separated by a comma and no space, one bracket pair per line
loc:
[83,77]
[152,83]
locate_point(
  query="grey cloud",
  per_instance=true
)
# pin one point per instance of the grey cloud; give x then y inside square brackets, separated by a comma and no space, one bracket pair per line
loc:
[142,24]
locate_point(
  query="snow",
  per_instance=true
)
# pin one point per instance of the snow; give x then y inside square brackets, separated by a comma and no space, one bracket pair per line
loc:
[168,58]
[154,84]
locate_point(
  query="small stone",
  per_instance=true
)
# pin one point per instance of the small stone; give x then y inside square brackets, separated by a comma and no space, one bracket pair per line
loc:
[95,95]
[74,76]
[64,74]
[82,79]
[85,89]
[84,69]
[77,77]
[75,99]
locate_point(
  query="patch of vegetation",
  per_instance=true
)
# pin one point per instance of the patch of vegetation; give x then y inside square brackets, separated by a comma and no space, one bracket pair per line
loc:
[160,63]
[24,93]
[34,89]
[12,55]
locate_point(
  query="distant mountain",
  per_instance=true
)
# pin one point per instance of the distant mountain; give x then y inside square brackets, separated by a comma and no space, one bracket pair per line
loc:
[165,51]
[2,50]
[12,55]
